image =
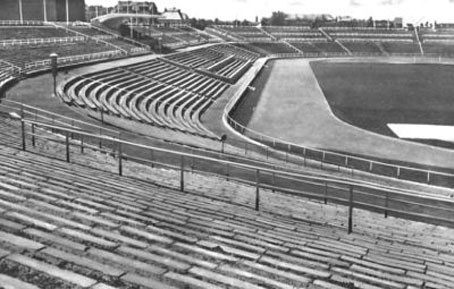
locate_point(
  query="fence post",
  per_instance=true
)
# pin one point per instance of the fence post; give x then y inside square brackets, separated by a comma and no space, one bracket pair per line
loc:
[350,211]
[24,145]
[120,159]
[33,135]
[257,190]
[326,193]
[182,174]
[67,147]
[81,144]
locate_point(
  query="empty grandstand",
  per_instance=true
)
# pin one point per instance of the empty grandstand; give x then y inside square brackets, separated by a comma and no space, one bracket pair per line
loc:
[90,198]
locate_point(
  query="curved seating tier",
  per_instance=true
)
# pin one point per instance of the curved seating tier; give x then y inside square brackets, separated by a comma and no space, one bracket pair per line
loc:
[224,60]
[70,226]
[153,92]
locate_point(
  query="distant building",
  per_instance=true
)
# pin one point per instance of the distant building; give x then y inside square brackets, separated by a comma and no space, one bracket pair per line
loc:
[140,7]
[43,10]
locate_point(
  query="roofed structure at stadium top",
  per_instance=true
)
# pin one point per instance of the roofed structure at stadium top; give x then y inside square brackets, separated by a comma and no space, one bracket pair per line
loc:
[140,7]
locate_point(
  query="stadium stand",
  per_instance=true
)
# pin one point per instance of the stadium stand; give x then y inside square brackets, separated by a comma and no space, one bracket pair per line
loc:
[437,42]
[67,224]
[335,41]
[27,47]
[155,92]
[266,48]
[245,33]
[362,40]
[225,62]
[172,37]
[294,33]
[360,47]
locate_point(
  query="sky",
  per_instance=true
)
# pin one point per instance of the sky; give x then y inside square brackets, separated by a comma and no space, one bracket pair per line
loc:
[413,11]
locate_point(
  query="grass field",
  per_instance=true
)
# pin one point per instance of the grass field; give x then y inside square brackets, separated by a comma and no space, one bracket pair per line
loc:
[371,95]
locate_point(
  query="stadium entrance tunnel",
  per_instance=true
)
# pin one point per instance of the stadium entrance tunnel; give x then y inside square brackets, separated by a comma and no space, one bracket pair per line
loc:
[407,101]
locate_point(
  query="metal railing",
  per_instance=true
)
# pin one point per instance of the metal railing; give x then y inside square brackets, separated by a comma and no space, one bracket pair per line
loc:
[73,59]
[24,22]
[34,41]
[347,192]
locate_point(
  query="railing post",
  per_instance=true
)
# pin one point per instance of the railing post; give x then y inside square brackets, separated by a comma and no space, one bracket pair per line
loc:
[257,190]
[81,144]
[428,178]
[120,159]
[24,145]
[326,193]
[33,135]
[67,147]
[182,174]
[151,158]
[371,166]
[350,211]
[398,172]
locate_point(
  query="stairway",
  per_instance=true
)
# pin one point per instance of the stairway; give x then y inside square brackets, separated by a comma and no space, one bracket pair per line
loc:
[293,47]
[382,49]
[267,33]
[418,39]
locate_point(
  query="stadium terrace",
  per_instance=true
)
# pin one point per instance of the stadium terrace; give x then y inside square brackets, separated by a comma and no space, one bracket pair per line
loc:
[147,149]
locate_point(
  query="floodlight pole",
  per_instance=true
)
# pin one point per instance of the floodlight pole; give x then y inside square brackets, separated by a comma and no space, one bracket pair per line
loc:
[54,66]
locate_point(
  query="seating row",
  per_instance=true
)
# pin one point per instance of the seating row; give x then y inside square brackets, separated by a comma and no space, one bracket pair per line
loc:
[67,225]
[228,59]
[154,92]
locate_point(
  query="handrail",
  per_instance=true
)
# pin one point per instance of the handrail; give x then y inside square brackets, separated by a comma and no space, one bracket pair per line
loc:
[346,160]
[71,59]
[29,41]
[32,111]
[311,177]
[288,182]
